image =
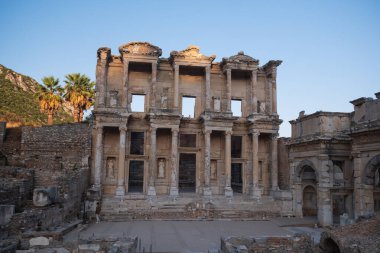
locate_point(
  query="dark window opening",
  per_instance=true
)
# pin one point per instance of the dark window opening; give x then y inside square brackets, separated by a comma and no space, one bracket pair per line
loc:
[136,176]
[188,140]
[236,177]
[187,168]
[137,143]
[236,146]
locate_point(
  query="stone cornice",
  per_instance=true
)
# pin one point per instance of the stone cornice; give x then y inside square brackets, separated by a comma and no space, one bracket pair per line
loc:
[319,114]
[192,55]
[140,49]
[239,61]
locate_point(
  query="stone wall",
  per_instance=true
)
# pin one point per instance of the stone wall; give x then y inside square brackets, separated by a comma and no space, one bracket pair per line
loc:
[283,165]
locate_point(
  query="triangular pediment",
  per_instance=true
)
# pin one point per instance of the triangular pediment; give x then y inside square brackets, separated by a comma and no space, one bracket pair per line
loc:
[240,58]
[140,49]
[191,54]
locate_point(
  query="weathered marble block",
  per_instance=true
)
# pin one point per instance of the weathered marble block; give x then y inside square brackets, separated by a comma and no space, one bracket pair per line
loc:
[44,196]
[6,213]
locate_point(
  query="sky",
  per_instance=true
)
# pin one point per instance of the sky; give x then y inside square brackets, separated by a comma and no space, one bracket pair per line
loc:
[330,48]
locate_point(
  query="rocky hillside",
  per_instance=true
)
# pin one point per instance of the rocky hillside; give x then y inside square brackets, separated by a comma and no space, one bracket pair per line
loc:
[18,102]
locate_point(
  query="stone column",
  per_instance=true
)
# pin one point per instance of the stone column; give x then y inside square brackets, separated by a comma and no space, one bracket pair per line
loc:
[98,156]
[228,90]
[274,171]
[254,91]
[124,97]
[207,169]
[176,85]
[256,191]
[153,86]
[208,88]
[359,201]
[274,92]
[269,95]
[101,80]
[174,164]
[152,162]
[120,190]
[227,163]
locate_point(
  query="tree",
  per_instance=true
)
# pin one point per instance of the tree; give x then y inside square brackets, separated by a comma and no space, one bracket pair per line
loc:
[79,91]
[50,96]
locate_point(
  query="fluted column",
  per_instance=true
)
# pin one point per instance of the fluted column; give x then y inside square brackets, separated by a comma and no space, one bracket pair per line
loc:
[208,88]
[228,90]
[176,85]
[227,163]
[207,169]
[174,164]
[256,191]
[153,86]
[152,162]
[274,174]
[98,156]
[254,91]
[120,190]
[125,95]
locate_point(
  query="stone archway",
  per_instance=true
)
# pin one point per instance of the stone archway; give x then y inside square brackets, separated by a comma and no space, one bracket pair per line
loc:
[309,201]
[330,246]
[372,178]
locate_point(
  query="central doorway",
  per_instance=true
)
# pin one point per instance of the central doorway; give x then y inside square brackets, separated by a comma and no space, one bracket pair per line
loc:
[136,176]
[236,177]
[187,168]
[309,207]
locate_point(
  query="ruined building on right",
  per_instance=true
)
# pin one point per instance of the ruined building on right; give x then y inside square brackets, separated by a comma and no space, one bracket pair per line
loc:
[333,161]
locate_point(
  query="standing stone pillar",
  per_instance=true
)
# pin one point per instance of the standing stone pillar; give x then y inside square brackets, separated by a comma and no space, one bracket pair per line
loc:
[125,98]
[153,86]
[101,76]
[359,200]
[152,162]
[207,169]
[176,85]
[208,87]
[274,92]
[98,156]
[269,95]
[228,90]
[174,164]
[120,190]
[274,174]
[227,163]
[254,91]
[256,191]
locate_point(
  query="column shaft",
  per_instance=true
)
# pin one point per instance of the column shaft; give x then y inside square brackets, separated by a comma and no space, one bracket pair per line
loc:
[153,86]
[174,164]
[269,95]
[227,163]
[152,162]
[274,174]
[98,156]
[207,169]
[256,191]
[176,85]
[274,95]
[125,95]
[228,90]
[208,88]
[254,91]
[120,190]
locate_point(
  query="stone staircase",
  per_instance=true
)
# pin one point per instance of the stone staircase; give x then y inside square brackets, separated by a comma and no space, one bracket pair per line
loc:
[188,207]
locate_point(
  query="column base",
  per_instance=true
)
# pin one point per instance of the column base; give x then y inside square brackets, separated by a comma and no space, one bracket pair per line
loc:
[256,193]
[120,191]
[173,191]
[228,192]
[207,191]
[152,191]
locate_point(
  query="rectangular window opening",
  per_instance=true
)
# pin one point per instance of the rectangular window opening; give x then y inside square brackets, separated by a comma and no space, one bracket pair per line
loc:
[188,107]
[236,107]
[138,102]
[236,144]
[188,140]
[137,143]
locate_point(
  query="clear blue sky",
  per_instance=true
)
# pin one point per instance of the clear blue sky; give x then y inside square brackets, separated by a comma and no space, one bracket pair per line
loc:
[330,49]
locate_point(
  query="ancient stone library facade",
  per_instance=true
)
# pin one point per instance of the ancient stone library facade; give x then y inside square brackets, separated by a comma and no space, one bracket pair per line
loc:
[187,137]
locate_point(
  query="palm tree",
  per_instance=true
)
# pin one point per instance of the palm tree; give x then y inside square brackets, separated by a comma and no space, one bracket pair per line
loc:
[79,91]
[50,96]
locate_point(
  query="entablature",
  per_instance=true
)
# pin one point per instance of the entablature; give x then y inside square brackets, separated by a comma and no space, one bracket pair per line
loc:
[190,56]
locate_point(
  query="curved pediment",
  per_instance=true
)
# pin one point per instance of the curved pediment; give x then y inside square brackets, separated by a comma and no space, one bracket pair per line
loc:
[191,53]
[241,58]
[140,49]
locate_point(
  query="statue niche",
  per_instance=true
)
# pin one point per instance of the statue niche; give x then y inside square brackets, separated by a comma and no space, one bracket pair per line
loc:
[110,168]
[161,168]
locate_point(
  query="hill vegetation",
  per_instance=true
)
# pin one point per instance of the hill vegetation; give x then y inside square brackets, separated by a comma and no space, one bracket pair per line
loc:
[19,103]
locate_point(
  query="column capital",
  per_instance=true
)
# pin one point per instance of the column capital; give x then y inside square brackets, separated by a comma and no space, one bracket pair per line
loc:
[274,136]
[207,131]
[208,68]
[123,128]
[255,133]
[98,127]
[228,132]
[174,130]
[153,129]
[176,66]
